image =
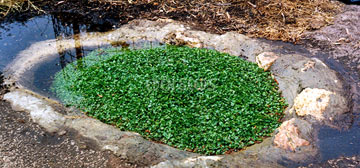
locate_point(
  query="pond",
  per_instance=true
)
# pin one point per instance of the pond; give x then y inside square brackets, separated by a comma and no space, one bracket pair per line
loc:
[18,36]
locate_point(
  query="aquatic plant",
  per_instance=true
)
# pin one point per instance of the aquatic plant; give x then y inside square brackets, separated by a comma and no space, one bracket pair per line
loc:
[193,99]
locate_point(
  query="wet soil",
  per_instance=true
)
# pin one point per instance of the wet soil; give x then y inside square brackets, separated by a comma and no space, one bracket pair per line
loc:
[341,44]
[341,40]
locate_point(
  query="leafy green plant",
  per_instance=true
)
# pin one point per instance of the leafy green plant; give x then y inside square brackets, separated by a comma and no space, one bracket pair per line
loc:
[194,99]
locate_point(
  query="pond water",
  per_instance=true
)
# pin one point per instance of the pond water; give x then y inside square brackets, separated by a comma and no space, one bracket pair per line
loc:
[17,36]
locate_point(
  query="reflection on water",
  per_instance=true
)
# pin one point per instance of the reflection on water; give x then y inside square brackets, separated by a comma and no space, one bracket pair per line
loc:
[1,80]
[72,30]
[17,36]
[40,78]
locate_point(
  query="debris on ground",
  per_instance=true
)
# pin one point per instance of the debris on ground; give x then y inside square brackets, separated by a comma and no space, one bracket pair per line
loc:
[284,20]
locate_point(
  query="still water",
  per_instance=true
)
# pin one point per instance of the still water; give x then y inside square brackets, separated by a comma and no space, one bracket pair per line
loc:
[17,36]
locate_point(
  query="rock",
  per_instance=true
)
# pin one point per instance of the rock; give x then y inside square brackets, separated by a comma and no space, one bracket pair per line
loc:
[266,59]
[82,146]
[289,88]
[199,161]
[313,73]
[61,133]
[234,44]
[40,112]
[308,65]
[312,102]
[291,133]
[182,38]
[321,104]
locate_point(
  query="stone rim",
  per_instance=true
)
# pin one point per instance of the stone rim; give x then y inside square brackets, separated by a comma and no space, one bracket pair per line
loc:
[176,33]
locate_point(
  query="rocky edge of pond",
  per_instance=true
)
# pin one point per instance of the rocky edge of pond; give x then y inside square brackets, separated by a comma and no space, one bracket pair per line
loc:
[316,96]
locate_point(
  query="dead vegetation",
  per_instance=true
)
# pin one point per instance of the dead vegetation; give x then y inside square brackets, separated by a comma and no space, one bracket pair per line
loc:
[284,20]
[8,6]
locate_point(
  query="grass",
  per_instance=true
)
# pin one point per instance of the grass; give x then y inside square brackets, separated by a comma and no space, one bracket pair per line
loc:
[193,99]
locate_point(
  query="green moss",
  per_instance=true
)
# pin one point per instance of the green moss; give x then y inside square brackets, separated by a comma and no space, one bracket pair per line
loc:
[193,99]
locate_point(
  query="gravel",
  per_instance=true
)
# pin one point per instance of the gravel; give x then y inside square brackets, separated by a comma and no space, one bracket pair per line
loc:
[24,144]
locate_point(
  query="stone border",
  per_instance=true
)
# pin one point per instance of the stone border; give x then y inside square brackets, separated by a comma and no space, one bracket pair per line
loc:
[314,92]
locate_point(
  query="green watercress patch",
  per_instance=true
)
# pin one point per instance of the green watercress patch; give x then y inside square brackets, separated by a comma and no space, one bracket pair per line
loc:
[193,99]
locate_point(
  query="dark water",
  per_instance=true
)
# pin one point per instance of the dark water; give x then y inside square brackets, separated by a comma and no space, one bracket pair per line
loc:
[1,80]
[15,37]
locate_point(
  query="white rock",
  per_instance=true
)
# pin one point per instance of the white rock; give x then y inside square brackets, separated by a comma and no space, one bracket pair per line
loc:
[266,59]
[312,102]
[39,110]
[199,161]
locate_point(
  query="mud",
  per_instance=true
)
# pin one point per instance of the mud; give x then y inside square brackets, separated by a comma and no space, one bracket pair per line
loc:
[341,40]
